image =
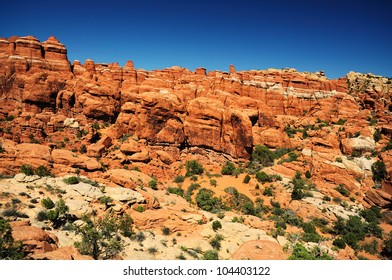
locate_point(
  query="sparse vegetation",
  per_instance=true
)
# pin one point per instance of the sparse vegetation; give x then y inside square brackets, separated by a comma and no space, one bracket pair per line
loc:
[246,179]
[228,168]
[73,180]
[193,168]
[27,169]
[179,179]
[205,200]
[99,237]
[379,171]
[216,225]
[153,184]
[342,190]
[211,255]
[9,249]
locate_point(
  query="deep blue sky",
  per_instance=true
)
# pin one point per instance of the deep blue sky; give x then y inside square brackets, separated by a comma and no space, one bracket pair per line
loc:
[335,36]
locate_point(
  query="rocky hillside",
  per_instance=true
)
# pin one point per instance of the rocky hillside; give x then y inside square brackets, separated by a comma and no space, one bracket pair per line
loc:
[272,145]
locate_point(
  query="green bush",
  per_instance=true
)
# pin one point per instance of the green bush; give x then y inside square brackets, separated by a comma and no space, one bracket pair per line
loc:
[262,155]
[105,200]
[71,180]
[41,216]
[268,191]
[210,255]
[246,179]
[27,169]
[99,238]
[215,242]
[341,121]
[178,191]
[193,168]
[83,149]
[301,253]
[339,242]
[308,175]
[125,225]
[228,168]
[59,214]
[213,183]
[387,248]
[205,200]
[388,145]
[153,184]
[379,171]
[12,212]
[263,177]
[216,225]
[165,231]
[47,203]
[9,249]
[42,171]
[189,192]
[179,179]
[310,233]
[140,209]
[342,190]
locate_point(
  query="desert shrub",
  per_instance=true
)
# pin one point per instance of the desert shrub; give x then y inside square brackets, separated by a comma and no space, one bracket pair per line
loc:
[388,146]
[190,190]
[268,191]
[310,233]
[59,214]
[153,184]
[339,242]
[42,171]
[152,250]
[342,190]
[213,183]
[228,168]
[263,177]
[341,122]
[379,171]
[248,208]
[105,199]
[140,208]
[301,253]
[377,135]
[96,126]
[246,179]
[12,212]
[41,216]
[99,237]
[205,200]
[140,237]
[47,203]
[9,249]
[179,179]
[165,231]
[387,248]
[262,155]
[308,175]
[125,225]
[71,180]
[215,242]
[27,169]
[210,255]
[371,215]
[83,149]
[178,191]
[193,168]
[291,157]
[216,225]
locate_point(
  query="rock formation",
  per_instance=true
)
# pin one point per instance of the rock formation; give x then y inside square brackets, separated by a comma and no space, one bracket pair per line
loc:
[99,119]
